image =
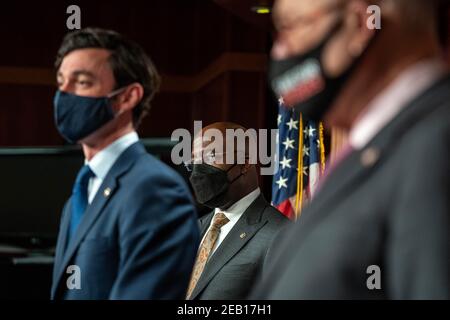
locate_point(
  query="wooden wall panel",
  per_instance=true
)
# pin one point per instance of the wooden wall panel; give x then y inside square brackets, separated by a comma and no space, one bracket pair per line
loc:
[169,112]
[250,109]
[183,38]
[209,106]
[26,116]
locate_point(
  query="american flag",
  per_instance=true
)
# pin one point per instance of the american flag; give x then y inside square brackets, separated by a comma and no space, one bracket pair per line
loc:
[292,188]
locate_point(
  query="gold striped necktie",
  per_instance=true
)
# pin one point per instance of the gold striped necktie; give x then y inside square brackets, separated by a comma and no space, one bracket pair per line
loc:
[206,247]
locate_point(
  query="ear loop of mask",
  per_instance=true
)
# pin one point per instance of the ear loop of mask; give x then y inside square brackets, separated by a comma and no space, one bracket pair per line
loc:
[114,94]
[240,175]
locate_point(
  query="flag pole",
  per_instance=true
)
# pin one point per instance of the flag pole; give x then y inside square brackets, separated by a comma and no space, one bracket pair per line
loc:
[299,196]
[322,149]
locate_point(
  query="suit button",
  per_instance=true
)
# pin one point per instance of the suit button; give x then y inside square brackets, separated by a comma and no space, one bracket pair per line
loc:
[370,156]
[107,192]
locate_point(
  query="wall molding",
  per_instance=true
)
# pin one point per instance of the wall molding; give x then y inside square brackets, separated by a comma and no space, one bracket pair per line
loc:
[229,61]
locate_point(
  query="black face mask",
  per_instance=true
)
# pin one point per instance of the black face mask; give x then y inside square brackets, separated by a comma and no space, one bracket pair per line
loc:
[210,184]
[302,83]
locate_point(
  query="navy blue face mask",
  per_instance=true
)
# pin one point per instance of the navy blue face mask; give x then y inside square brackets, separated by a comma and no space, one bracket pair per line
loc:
[76,116]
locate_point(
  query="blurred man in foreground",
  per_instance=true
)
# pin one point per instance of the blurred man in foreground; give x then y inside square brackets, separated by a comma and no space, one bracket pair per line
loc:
[379,226]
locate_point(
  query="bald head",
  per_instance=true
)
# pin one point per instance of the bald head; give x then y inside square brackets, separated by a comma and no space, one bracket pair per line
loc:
[230,143]
[229,147]
[415,14]
[301,24]
[209,132]
[407,33]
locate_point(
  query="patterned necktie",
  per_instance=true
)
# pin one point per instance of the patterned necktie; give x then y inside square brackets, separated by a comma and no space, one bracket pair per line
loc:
[79,198]
[205,249]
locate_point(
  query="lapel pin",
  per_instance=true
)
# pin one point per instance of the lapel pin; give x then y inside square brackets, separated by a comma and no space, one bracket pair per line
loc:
[369,157]
[243,235]
[107,192]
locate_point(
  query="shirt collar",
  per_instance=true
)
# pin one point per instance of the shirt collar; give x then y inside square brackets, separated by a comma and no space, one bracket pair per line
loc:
[235,211]
[408,85]
[102,162]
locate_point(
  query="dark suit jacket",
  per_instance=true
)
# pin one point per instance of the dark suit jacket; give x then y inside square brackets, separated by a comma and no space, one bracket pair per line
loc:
[138,241]
[386,205]
[236,264]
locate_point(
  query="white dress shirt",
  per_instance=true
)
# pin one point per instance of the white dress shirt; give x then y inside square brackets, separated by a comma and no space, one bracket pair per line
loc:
[103,161]
[233,213]
[390,102]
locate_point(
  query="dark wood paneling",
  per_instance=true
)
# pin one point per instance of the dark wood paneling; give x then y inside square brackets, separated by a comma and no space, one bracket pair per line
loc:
[196,44]
[250,109]
[209,106]
[242,9]
[169,112]
[26,116]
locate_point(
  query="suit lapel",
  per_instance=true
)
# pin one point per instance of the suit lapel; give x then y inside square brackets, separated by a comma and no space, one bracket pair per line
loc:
[344,177]
[246,227]
[62,236]
[65,223]
[361,163]
[204,223]
[104,194]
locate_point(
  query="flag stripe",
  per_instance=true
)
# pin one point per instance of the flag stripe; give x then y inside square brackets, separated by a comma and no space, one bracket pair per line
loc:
[301,159]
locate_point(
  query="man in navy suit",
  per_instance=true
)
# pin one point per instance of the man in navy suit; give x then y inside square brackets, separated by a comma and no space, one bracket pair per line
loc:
[129,230]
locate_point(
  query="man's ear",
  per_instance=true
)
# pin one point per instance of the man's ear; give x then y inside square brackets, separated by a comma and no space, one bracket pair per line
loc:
[129,98]
[357,20]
